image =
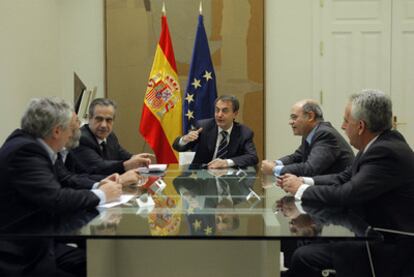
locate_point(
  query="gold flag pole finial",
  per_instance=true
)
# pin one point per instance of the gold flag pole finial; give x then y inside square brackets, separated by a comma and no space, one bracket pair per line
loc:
[164,12]
[201,8]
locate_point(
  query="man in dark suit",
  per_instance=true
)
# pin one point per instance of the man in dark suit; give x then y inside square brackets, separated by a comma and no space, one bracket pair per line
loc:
[66,167]
[27,162]
[322,151]
[380,180]
[99,150]
[29,180]
[220,142]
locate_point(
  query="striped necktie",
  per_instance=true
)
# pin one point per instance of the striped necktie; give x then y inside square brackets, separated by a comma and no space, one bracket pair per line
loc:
[223,147]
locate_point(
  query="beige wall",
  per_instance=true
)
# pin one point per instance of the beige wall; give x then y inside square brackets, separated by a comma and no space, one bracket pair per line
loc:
[81,42]
[289,72]
[42,43]
[29,55]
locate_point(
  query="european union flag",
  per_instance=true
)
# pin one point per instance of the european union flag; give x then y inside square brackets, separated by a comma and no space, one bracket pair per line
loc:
[201,92]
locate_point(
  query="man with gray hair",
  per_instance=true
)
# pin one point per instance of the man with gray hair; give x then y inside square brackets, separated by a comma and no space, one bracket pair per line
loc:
[99,150]
[30,184]
[380,181]
[322,151]
[27,160]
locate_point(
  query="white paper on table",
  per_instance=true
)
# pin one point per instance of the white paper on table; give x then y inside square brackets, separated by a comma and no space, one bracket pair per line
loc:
[122,200]
[152,168]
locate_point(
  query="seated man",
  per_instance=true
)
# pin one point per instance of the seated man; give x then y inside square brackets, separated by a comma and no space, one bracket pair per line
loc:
[323,149]
[27,162]
[66,167]
[29,184]
[99,150]
[380,180]
[220,142]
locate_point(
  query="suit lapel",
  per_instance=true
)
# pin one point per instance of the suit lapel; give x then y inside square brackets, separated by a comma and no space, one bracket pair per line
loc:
[361,154]
[355,164]
[211,144]
[305,149]
[110,145]
[91,137]
[234,140]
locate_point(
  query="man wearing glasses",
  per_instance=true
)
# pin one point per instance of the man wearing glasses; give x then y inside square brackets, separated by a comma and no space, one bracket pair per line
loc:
[322,151]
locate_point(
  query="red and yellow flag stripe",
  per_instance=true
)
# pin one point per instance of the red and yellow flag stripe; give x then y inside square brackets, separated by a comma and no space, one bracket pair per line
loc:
[161,120]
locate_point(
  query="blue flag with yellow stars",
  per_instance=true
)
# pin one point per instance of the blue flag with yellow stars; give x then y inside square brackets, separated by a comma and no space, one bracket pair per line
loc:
[201,92]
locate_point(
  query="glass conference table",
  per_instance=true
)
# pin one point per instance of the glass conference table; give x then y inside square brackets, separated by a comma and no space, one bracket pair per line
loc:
[193,222]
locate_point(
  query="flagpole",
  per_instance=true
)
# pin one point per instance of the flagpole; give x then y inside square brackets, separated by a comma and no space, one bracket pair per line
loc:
[164,12]
[201,8]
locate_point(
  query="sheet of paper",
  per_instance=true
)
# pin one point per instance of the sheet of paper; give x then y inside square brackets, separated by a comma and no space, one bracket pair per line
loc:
[152,168]
[124,198]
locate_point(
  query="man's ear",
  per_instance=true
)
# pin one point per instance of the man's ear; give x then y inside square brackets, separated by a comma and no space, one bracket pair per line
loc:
[311,116]
[362,126]
[56,131]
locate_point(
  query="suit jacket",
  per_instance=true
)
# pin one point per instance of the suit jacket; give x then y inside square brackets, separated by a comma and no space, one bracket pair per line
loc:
[68,178]
[29,180]
[90,156]
[241,147]
[381,180]
[328,153]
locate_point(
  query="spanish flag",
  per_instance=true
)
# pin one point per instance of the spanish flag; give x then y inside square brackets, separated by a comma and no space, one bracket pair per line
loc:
[161,120]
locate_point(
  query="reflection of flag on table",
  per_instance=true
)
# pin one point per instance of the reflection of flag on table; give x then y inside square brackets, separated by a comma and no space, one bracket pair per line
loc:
[201,87]
[162,110]
[165,219]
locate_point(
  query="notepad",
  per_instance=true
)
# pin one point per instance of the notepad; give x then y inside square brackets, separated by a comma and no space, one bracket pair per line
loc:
[152,168]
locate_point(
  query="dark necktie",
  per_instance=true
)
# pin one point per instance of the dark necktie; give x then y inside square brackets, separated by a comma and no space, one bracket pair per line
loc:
[223,147]
[59,161]
[59,166]
[104,150]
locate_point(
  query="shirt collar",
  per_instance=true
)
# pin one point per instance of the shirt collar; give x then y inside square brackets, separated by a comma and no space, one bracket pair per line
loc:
[311,135]
[64,153]
[52,154]
[369,144]
[100,140]
[228,130]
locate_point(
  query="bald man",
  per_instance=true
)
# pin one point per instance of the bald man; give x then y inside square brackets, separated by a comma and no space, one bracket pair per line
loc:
[322,151]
